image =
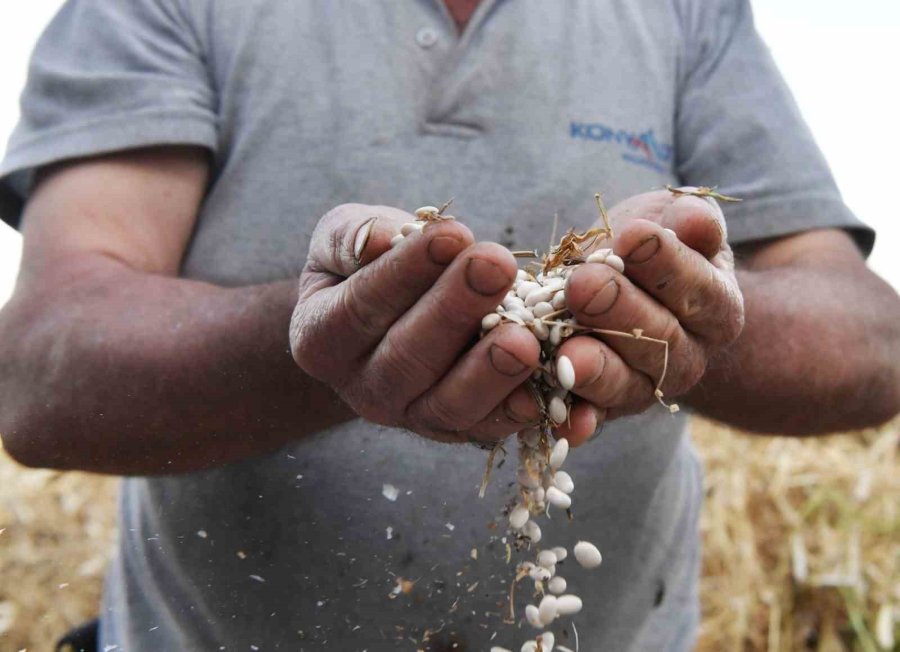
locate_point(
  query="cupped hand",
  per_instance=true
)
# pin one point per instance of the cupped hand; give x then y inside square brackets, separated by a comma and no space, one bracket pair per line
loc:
[391,330]
[678,285]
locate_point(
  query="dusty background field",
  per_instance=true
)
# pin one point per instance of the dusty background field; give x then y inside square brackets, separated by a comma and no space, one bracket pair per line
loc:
[802,544]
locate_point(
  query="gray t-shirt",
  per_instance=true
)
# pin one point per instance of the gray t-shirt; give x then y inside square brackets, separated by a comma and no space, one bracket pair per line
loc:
[308,104]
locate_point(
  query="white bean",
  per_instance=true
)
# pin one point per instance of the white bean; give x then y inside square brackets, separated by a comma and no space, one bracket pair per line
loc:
[533,531]
[522,275]
[587,554]
[529,646]
[491,320]
[559,300]
[557,409]
[558,499]
[533,616]
[397,239]
[555,283]
[568,605]
[518,517]
[547,609]
[536,296]
[523,288]
[540,574]
[540,329]
[615,262]
[559,453]
[411,227]
[425,211]
[563,481]
[555,335]
[557,585]
[497,648]
[542,309]
[599,256]
[546,558]
[565,372]
[547,641]
[512,302]
[539,495]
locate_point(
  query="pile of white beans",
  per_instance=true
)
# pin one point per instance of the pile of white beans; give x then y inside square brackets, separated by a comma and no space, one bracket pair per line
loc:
[537,301]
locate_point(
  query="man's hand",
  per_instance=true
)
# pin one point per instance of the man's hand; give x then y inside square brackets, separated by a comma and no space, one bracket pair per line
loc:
[392,330]
[679,286]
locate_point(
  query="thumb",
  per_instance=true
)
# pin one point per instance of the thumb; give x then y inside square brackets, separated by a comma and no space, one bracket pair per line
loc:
[350,236]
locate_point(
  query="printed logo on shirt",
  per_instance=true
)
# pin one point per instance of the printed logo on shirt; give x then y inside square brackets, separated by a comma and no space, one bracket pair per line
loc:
[641,149]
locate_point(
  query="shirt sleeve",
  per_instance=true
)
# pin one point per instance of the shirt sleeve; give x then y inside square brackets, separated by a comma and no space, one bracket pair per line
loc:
[739,128]
[108,76]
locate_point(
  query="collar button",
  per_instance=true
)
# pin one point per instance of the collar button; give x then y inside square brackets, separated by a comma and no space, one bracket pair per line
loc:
[426,37]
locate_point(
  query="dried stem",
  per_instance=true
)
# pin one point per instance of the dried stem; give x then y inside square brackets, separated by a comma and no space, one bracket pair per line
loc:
[702,191]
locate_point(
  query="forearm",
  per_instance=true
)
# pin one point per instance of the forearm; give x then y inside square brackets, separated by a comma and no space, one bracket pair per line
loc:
[131,373]
[819,352]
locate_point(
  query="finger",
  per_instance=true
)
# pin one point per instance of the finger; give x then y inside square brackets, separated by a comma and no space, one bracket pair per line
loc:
[698,222]
[343,323]
[480,381]
[517,412]
[602,298]
[604,379]
[704,299]
[350,236]
[426,341]
[584,420]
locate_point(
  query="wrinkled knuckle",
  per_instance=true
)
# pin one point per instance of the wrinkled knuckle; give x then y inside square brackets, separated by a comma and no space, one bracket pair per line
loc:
[354,307]
[691,372]
[404,363]
[437,415]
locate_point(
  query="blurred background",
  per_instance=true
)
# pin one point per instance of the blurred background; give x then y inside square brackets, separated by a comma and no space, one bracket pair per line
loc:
[801,538]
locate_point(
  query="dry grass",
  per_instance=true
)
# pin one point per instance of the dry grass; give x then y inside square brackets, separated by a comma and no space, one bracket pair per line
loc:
[802,544]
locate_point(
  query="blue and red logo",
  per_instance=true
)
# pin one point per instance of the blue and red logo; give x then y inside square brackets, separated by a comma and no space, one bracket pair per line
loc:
[642,149]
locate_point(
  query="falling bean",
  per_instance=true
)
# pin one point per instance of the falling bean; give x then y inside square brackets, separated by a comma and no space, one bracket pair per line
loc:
[533,531]
[557,585]
[547,609]
[558,499]
[518,517]
[563,481]
[533,616]
[587,554]
[568,605]
[546,558]
[559,453]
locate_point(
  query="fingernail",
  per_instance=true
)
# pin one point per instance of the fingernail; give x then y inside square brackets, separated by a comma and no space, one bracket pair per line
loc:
[603,299]
[600,416]
[644,251]
[362,239]
[443,249]
[486,278]
[587,382]
[505,362]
